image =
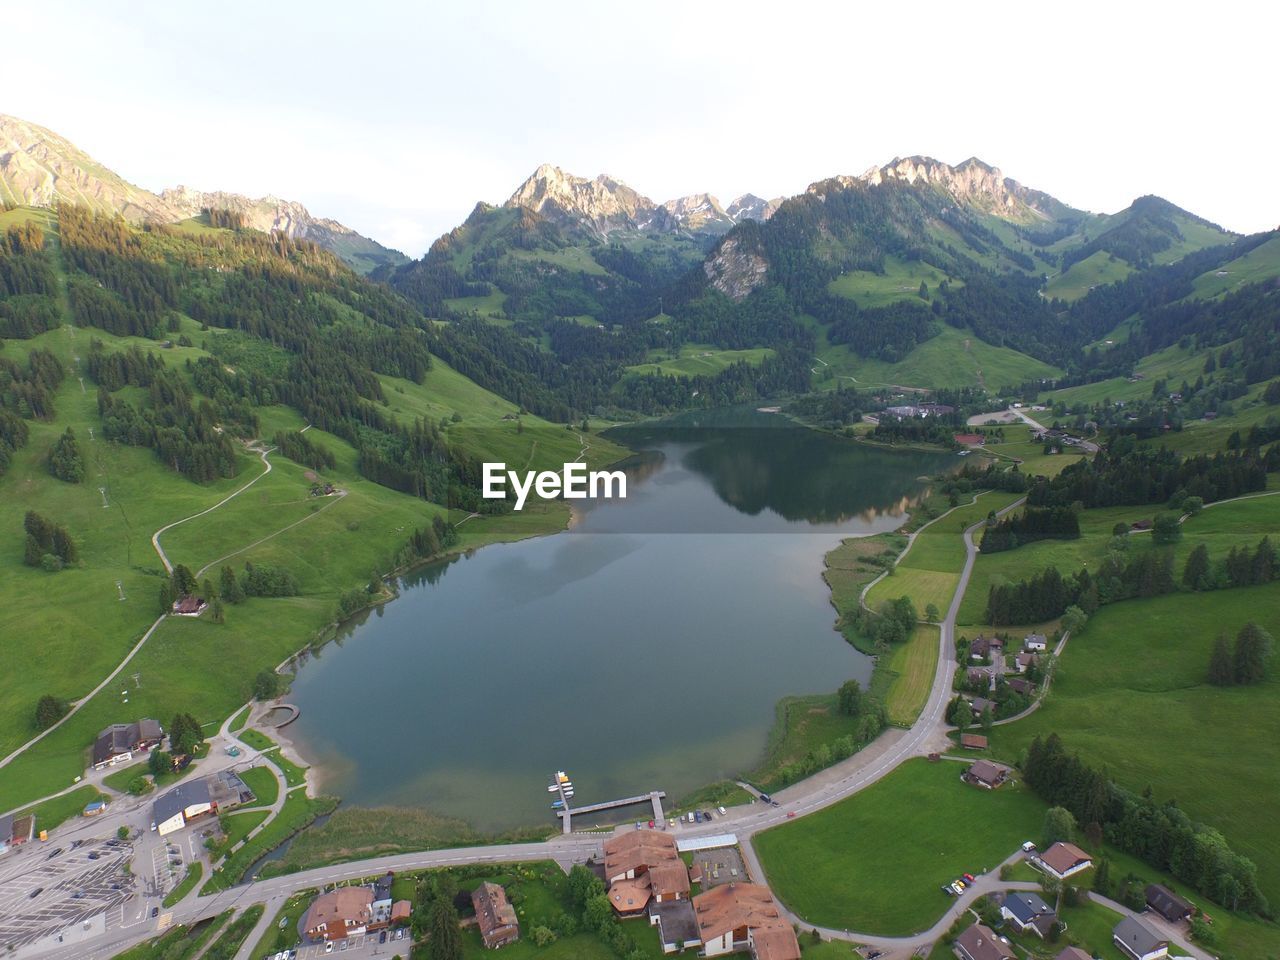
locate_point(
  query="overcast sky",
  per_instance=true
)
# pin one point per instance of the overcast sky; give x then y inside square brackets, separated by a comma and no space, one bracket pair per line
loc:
[395,118]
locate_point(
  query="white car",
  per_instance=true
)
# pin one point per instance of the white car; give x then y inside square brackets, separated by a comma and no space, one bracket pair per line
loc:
[722,811]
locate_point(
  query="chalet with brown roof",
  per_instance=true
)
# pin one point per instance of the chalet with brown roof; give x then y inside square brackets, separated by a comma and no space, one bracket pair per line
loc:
[629,854]
[1022,686]
[979,942]
[980,647]
[495,916]
[338,914]
[1063,860]
[1024,661]
[120,742]
[985,774]
[744,916]
[973,741]
[189,606]
[641,868]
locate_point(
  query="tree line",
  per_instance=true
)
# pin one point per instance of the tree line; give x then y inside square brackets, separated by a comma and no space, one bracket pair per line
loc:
[1030,525]
[1159,834]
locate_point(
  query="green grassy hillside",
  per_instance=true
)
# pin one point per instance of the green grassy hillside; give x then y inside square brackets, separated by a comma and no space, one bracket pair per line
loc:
[1096,269]
[900,280]
[951,359]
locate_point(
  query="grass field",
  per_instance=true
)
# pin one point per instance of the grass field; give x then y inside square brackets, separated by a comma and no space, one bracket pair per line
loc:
[263,783]
[876,861]
[1173,363]
[911,667]
[1260,263]
[697,360]
[800,724]
[900,281]
[1083,275]
[1142,663]
[953,358]
[930,570]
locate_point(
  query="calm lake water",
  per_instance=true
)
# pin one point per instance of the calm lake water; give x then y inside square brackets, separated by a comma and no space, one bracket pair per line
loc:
[645,648]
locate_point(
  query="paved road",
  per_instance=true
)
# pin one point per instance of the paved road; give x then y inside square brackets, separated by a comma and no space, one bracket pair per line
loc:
[864,768]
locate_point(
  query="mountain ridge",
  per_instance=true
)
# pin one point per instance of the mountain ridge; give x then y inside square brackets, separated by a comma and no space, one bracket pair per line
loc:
[39,167]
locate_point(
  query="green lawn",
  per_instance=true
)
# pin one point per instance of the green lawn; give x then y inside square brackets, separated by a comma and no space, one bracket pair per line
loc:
[697,360]
[237,826]
[1083,275]
[900,281]
[911,666]
[283,932]
[294,775]
[263,783]
[1260,263]
[800,725]
[876,861]
[58,810]
[1140,665]
[953,358]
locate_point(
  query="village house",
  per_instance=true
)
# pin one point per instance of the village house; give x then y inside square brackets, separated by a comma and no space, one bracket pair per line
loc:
[1035,643]
[973,741]
[981,677]
[353,911]
[643,866]
[985,774]
[744,916]
[495,916]
[120,742]
[1026,911]
[980,942]
[1063,860]
[1022,687]
[980,648]
[1168,904]
[15,831]
[197,800]
[189,606]
[1024,661]
[1136,939]
[979,705]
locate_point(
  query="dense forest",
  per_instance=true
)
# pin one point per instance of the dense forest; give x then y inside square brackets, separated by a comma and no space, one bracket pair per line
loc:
[1030,525]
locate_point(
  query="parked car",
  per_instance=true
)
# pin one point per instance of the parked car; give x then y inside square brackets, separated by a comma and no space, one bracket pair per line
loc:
[1028,847]
[652,824]
[766,798]
[382,937]
[53,853]
[697,816]
[94,855]
[328,947]
[155,912]
[706,815]
[722,811]
[36,892]
[969,877]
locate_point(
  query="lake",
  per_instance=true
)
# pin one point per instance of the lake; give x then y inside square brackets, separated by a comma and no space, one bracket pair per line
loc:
[644,648]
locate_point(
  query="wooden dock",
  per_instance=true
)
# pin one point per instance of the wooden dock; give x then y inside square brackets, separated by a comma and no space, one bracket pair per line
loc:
[653,797]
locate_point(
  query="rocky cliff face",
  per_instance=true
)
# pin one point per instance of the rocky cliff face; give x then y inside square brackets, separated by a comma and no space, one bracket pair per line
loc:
[750,207]
[604,206]
[735,268]
[599,207]
[972,183]
[39,168]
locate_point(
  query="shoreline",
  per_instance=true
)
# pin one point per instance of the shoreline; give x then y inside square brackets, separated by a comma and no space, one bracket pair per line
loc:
[316,776]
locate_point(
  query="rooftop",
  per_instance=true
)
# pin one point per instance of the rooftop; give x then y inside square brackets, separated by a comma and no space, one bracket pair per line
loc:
[1062,856]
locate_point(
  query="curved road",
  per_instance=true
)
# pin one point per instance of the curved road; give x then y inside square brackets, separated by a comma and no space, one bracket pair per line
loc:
[926,735]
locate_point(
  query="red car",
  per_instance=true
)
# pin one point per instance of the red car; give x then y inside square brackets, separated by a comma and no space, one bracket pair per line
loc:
[790,814]
[969,877]
[650,824]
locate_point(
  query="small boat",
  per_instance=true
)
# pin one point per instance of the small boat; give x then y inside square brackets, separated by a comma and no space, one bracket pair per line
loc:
[557,804]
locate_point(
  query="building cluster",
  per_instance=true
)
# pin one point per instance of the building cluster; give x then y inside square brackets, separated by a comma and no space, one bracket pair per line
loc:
[646,877]
[353,911]
[917,411]
[15,831]
[198,799]
[121,742]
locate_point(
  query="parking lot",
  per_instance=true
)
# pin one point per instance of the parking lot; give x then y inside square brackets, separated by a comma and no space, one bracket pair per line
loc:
[357,947]
[44,891]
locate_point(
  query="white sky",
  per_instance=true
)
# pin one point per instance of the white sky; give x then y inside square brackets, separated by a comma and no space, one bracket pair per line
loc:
[395,118]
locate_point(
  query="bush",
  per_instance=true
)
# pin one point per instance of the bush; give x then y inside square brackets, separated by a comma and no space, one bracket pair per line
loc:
[542,936]
[49,710]
[139,786]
